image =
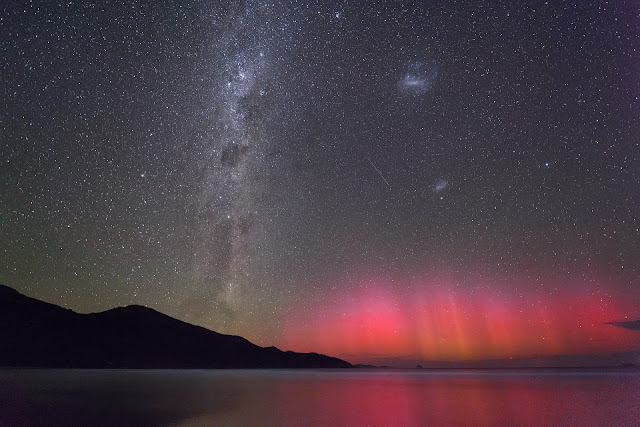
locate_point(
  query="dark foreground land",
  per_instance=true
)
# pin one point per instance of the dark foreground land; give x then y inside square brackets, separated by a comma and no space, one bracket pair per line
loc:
[34,333]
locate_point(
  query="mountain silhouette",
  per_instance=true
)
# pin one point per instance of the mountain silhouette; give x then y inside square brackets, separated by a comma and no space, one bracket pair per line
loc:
[34,333]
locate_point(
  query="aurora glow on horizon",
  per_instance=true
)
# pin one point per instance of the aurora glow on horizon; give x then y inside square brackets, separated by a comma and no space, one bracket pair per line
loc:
[428,181]
[435,320]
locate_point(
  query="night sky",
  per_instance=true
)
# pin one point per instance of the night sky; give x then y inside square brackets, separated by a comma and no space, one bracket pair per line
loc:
[441,180]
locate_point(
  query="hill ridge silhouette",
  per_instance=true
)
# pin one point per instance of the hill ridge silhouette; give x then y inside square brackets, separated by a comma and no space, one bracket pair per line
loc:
[35,333]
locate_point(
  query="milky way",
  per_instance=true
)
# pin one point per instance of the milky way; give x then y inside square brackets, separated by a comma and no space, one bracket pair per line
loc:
[374,180]
[233,152]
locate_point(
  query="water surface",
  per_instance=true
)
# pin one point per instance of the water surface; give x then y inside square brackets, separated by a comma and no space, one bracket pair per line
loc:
[307,397]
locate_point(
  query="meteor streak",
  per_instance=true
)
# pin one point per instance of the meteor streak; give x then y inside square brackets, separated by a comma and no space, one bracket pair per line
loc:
[379,173]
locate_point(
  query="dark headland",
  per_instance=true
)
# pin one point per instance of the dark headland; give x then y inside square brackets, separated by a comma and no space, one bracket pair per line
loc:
[34,333]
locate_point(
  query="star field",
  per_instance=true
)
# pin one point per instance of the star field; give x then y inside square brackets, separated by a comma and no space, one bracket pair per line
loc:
[272,169]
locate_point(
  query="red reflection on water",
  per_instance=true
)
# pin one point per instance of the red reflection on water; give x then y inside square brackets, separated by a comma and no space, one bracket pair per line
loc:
[445,399]
[351,402]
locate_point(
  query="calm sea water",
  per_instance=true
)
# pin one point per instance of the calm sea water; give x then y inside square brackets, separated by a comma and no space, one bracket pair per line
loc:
[238,397]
